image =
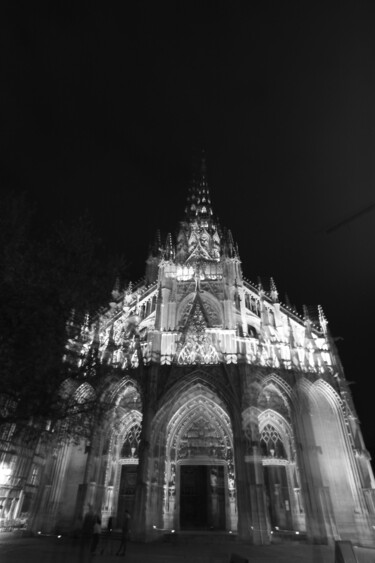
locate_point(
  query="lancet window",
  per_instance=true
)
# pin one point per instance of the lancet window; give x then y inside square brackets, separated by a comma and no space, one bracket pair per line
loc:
[130,447]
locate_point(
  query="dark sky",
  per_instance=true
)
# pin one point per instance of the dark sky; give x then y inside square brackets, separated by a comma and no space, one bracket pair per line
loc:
[104,108]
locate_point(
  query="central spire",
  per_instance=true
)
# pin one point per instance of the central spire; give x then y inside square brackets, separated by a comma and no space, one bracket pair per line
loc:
[199,200]
[199,238]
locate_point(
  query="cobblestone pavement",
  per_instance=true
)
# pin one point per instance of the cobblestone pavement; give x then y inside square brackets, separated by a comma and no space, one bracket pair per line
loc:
[15,549]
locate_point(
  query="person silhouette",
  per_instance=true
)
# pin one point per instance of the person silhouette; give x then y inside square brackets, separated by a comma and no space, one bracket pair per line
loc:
[124,534]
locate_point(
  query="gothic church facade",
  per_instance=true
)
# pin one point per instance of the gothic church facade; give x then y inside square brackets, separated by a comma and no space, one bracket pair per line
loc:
[231,411]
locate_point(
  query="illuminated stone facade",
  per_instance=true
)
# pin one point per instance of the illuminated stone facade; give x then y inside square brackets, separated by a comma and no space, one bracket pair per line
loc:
[227,410]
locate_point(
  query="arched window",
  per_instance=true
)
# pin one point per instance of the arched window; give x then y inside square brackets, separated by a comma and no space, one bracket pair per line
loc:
[251,331]
[130,446]
[271,443]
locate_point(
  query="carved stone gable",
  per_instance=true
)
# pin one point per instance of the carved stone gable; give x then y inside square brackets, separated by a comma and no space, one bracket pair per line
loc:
[195,345]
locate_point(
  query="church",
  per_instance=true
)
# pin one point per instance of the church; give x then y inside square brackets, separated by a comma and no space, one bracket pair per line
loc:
[227,411]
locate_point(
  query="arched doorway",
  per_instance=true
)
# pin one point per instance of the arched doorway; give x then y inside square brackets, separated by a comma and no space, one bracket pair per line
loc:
[128,470]
[281,476]
[279,460]
[120,453]
[199,467]
[340,491]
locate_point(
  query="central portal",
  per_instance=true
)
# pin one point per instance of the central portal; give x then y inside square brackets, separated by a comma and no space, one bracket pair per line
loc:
[202,497]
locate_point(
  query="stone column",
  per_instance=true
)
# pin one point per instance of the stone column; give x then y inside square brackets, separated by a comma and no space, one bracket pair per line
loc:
[57,482]
[296,509]
[252,510]
[319,523]
[140,524]
[253,460]
[86,489]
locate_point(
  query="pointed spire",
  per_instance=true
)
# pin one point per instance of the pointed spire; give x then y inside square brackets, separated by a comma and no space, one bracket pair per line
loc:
[73,326]
[116,289]
[260,285]
[273,291]
[237,252]
[322,320]
[169,248]
[153,260]
[306,316]
[91,364]
[311,314]
[128,295]
[85,328]
[156,245]
[110,348]
[229,246]
[199,199]
[71,320]
[129,289]
[288,302]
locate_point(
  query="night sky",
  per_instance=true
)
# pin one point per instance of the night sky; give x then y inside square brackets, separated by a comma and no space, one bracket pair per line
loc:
[104,109]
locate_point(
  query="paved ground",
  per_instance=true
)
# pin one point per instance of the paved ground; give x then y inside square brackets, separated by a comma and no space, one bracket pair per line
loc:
[51,550]
[16,549]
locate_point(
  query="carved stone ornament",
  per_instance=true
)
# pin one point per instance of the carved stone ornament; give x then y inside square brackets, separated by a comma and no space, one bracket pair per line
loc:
[195,346]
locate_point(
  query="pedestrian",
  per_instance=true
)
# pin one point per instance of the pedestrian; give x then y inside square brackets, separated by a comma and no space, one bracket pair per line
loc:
[124,534]
[96,535]
[107,536]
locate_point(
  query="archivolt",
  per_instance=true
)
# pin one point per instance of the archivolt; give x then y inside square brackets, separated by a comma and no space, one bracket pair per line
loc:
[199,379]
[198,406]
[309,395]
[128,420]
[67,388]
[76,392]
[85,392]
[281,386]
[329,392]
[118,389]
[179,406]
